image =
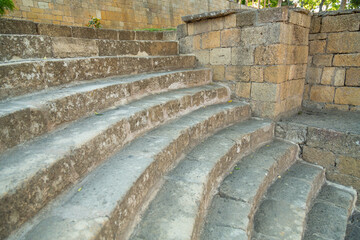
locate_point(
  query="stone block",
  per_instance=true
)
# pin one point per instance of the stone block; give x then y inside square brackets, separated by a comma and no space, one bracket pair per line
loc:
[347,95]
[54,30]
[344,42]
[339,78]
[256,74]
[247,18]
[126,35]
[322,93]
[82,32]
[230,37]
[313,75]
[201,27]
[243,89]
[107,34]
[197,42]
[243,55]
[297,54]
[297,71]
[182,31]
[317,46]
[296,87]
[300,19]
[337,107]
[64,47]
[220,56]
[266,109]
[323,60]
[341,23]
[327,76]
[218,72]
[349,60]
[10,26]
[190,28]
[203,57]
[353,77]
[255,35]
[273,15]
[315,24]
[276,74]
[210,40]
[230,21]
[186,45]
[270,55]
[344,179]
[300,35]
[265,92]
[306,94]
[320,157]
[318,36]
[217,23]
[237,73]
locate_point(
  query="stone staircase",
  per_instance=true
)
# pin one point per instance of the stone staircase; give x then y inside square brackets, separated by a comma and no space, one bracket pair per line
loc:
[109,134]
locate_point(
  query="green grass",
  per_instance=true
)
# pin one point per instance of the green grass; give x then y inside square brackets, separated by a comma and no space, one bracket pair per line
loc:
[156,29]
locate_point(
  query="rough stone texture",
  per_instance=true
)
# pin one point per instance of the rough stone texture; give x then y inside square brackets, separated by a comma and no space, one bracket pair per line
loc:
[80,147]
[340,23]
[209,15]
[270,55]
[237,73]
[8,26]
[347,60]
[353,227]
[345,42]
[273,15]
[211,40]
[230,37]
[265,92]
[317,46]
[323,60]
[54,30]
[109,34]
[322,93]
[242,55]
[243,90]
[247,18]
[276,74]
[347,95]
[220,56]
[74,47]
[353,77]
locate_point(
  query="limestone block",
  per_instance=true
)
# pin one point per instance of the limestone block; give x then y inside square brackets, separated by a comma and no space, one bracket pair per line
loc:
[297,71]
[347,95]
[295,87]
[337,107]
[327,76]
[10,26]
[197,42]
[297,54]
[257,74]
[218,72]
[299,19]
[320,157]
[230,21]
[273,15]
[254,35]
[237,73]
[82,32]
[220,56]
[315,24]
[276,74]
[230,37]
[203,57]
[201,27]
[339,78]
[318,36]
[347,60]
[247,18]
[191,28]
[210,40]
[243,89]
[353,77]
[265,92]
[266,109]
[271,54]
[344,179]
[345,42]
[313,75]
[300,35]
[243,55]
[322,94]
[217,23]
[306,94]
[341,23]
[317,46]
[107,34]
[322,60]
[182,31]
[54,30]
[74,47]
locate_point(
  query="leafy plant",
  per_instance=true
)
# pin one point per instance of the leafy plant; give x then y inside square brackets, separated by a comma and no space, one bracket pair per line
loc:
[6,5]
[94,23]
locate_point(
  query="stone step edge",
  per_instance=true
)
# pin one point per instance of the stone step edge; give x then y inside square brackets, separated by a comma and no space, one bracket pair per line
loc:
[228,112]
[52,108]
[38,47]
[276,169]
[14,26]
[242,146]
[27,191]
[19,78]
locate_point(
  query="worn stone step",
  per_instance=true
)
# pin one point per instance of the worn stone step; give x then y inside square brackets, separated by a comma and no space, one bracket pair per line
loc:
[18,78]
[232,210]
[29,116]
[353,227]
[178,209]
[111,195]
[17,47]
[33,173]
[327,219]
[282,213]
[14,26]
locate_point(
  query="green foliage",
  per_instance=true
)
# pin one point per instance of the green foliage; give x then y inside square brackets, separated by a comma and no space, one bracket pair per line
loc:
[94,23]
[6,5]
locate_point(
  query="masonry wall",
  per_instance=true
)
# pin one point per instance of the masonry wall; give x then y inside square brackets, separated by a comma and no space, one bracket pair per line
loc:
[333,76]
[118,14]
[261,54]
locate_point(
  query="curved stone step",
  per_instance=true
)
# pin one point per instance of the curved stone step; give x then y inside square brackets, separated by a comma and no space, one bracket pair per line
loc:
[353,227]
[111,195]
[17,47]
[26,117]
[282,213]
[178,209]
[23,77]
[33,173]
[232,210]
[327,219]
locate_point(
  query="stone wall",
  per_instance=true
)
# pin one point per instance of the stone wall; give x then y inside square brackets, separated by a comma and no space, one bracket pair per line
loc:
[119,14]
[261,54]
[333,77]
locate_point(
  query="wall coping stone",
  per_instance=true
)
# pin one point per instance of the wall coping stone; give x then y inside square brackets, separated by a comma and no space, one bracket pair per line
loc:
[334,13]
[209,15]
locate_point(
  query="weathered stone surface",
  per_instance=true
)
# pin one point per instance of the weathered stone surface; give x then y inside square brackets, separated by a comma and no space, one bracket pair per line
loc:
[182,31]
[273,15]
[247,18]
[54,30]
[126,35]
[230,37]
[270,55]
[257,74]
[323,60]
[343,60]
[217,23]
[223,233]
[344,42]
[300,19]
[186,45]
[147,35]
[297,55]
[82,32]
[349,166]
[109,34]
[199,27]
[297,71]
[340,23]
[209,15]
[218,72]
[315,24]
[317,46]
[169,36]
[347,95]
[243,55]
[276,74]
[318,36]
[328,75]
[265,92]
[220,56]
[353,77]
[10,26]
[203,57]
[322,93]
[313,75]
[243,89]
[320,157]
[291,131]
[230,21]
[211,40]
[237,73]
[64,47]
